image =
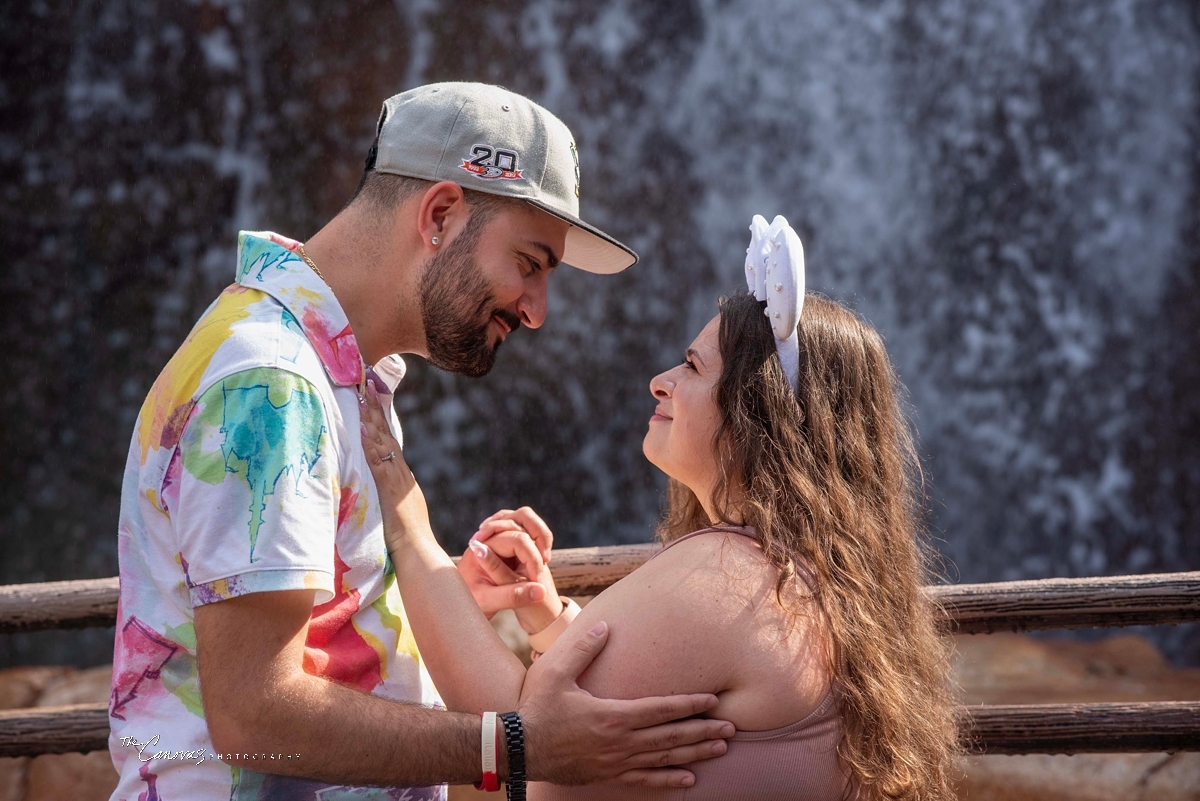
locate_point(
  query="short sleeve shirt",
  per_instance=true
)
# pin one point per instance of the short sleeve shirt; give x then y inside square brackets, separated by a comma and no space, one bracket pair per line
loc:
[246,473]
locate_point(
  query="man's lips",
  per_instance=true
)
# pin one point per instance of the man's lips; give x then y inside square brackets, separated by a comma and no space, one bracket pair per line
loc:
[503,326]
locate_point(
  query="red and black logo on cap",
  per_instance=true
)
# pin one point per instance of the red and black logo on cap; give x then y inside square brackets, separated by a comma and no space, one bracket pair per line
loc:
[492,163]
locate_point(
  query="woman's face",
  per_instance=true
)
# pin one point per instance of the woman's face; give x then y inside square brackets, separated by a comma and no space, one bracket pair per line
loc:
[680,439]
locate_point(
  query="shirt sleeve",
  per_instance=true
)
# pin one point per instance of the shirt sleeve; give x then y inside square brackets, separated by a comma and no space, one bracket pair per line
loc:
[257,485]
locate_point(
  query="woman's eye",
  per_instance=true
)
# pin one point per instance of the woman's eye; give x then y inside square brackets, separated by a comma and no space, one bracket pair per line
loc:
[690,365]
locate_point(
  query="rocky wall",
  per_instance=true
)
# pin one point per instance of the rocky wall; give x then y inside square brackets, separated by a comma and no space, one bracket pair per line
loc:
[1009,191]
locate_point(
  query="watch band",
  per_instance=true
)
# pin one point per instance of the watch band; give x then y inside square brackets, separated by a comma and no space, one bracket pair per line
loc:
[542,640]
[514,743]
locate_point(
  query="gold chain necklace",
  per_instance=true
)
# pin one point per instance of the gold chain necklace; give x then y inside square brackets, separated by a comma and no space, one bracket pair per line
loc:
[310,262]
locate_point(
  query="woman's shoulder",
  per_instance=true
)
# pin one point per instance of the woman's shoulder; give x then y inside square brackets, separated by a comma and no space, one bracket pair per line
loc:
[685,576]
[697,575]
[721,560]
[701,616]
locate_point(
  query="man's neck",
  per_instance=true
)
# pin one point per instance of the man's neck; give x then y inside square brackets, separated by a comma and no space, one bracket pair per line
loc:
[375,284]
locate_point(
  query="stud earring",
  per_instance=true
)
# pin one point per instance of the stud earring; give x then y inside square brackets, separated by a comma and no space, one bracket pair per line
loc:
[434,240]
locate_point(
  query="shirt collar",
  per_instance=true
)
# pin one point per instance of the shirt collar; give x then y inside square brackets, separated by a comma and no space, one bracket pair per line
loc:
[269,262]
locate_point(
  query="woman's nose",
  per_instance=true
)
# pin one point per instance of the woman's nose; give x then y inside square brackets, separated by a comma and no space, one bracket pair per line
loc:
[661,387]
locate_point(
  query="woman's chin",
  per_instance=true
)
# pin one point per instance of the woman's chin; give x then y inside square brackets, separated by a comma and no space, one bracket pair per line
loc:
[653,454]
[649,450]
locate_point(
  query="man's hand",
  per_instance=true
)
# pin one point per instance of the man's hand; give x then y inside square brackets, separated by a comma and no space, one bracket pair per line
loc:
[572,737]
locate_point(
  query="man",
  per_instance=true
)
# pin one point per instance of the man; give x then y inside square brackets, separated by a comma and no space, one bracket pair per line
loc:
[262,649]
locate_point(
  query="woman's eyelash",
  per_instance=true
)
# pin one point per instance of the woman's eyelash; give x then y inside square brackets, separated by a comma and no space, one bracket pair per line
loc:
[690,364]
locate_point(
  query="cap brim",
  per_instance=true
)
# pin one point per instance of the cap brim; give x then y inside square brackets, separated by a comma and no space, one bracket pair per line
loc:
[590,249]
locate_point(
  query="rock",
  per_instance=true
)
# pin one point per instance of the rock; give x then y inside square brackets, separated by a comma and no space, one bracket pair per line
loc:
[12,778]
[20,687]
[1083,777]
[90,686]
[1017,669]
[79,777]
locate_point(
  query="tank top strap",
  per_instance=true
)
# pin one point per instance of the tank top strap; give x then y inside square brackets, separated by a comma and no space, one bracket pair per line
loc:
[745,531]
[806,575]
[802,570]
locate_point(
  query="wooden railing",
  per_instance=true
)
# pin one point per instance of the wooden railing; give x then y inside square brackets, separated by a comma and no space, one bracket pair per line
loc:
[1152,599]
[1018,729]
[970,609]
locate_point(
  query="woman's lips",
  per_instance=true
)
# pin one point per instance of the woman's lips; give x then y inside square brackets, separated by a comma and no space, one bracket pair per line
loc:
[659,417]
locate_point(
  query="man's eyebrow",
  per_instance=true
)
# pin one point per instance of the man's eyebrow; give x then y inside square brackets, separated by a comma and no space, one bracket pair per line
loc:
[693,354]
[551,259]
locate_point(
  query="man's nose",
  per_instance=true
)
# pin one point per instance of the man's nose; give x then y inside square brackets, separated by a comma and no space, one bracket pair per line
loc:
[532,306]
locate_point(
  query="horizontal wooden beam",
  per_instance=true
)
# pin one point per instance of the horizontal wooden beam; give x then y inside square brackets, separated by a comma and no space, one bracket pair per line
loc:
[1083,728]
[58,605]
[1152,599]
[1145,600]
[53,730]
[590,571]
[93,602]
[1033,729]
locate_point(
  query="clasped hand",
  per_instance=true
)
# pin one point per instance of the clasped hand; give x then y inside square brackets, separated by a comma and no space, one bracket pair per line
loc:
[507,566]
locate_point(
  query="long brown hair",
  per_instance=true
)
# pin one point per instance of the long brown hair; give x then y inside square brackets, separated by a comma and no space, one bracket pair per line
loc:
[828,476]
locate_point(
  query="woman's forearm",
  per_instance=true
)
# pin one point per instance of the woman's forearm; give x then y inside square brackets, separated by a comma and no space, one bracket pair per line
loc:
[470,665]
[473,669]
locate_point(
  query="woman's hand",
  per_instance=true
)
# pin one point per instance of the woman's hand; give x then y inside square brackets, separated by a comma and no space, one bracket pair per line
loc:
[401,501]
[523,519]
[503,574]
[513,546]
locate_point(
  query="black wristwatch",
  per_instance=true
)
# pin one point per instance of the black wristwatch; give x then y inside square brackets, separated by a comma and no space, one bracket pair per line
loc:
[514,744]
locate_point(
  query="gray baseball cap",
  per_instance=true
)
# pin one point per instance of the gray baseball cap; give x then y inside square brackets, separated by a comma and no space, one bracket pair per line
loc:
[492,140]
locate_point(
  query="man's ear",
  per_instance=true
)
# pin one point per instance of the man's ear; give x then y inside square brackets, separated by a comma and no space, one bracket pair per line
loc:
[442,214]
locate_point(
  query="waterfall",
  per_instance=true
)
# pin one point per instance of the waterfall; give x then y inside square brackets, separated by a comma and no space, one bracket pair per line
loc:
[1009,192]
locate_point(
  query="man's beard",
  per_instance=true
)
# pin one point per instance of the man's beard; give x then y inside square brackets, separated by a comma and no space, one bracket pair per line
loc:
[457,306]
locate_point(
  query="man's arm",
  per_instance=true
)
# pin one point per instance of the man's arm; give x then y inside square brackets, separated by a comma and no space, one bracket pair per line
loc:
[258,699]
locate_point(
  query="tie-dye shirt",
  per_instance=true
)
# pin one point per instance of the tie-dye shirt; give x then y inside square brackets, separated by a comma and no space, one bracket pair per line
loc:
[246,474]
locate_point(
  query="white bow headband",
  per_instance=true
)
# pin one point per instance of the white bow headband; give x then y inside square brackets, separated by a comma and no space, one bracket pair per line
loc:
[775,273]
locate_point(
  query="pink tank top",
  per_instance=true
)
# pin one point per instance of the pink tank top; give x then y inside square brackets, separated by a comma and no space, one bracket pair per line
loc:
[798,762]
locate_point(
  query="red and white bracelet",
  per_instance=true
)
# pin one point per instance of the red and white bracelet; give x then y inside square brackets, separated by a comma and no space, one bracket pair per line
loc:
[489,737]
[541,642]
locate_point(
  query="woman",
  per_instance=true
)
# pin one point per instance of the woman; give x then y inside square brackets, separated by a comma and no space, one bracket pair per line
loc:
[790,584]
